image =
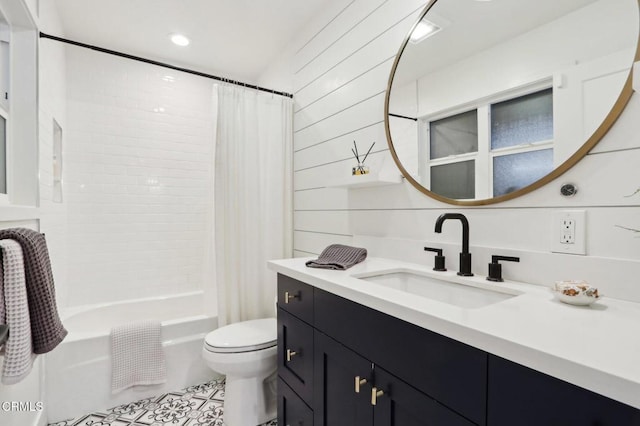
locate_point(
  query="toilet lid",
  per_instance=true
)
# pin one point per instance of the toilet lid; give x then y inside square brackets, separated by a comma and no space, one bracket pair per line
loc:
[243,336]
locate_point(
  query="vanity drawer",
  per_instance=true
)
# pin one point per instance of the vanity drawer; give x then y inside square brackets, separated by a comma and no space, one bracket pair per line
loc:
[295,297]
[291,409]
[295,354]
[449,371]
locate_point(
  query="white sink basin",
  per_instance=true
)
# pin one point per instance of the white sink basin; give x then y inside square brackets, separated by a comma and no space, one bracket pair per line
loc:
[471,295]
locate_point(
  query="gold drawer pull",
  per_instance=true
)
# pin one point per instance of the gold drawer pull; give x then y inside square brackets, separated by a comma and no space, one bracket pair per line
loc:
[375,393]
[288,296]
[359,382]
[290,354]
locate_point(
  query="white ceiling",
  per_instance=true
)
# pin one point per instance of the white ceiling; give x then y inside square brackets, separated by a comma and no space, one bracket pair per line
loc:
[231,38]
[473,26]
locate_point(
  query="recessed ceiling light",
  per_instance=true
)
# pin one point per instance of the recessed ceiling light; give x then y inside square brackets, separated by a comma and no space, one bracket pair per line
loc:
[179,39]
[423,30]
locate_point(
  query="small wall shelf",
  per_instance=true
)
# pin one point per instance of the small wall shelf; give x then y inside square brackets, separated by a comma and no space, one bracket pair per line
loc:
[365,181]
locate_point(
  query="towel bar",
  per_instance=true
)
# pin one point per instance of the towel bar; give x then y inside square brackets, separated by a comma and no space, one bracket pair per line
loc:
[4,334]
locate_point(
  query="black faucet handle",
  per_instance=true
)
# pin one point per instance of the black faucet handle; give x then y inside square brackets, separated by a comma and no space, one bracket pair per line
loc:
[436,250]
[495,268]
[439,259]
[495,258]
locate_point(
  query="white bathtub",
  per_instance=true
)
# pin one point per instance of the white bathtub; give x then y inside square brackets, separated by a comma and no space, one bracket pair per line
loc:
[78,371]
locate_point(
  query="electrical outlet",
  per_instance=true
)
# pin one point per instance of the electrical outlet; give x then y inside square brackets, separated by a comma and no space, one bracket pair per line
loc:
[569,232]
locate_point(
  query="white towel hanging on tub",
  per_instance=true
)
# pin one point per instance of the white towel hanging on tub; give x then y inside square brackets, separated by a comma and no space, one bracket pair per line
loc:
[137,357]
[18,351]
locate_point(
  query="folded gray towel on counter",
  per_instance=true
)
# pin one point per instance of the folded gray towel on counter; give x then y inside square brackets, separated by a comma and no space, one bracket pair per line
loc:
[338,256]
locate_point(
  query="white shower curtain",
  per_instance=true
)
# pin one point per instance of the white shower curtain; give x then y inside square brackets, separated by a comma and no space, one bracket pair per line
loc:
[252,199]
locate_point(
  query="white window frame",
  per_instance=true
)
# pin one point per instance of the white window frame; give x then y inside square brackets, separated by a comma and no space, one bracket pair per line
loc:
[22,145]
[484,156]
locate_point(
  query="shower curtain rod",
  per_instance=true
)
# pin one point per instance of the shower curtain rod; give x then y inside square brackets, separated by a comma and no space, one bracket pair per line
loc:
[163,64]
[403,116]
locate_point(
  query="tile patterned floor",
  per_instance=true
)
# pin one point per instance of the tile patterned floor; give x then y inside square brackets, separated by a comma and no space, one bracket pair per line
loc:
[200,405]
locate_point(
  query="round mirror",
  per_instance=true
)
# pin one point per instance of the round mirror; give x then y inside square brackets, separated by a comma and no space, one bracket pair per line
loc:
[490,99]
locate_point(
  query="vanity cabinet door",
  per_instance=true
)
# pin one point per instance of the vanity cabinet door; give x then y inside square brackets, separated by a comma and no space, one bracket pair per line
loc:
[521,396]
[292,410]
[449,371]
[398,404]
[336,371]
[295,354]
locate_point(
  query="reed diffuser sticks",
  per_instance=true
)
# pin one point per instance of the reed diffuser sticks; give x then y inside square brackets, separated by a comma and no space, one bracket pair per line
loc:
[360,169]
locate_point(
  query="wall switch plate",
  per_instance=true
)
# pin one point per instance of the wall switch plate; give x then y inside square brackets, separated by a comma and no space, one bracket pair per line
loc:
[568,232]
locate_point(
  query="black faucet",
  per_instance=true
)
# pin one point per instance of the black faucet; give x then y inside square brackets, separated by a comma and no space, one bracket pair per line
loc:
[465,256]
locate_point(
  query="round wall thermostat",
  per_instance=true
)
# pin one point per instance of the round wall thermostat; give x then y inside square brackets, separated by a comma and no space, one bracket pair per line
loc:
[568,190]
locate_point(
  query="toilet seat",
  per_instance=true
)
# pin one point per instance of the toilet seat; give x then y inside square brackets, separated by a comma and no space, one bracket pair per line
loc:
[245,336]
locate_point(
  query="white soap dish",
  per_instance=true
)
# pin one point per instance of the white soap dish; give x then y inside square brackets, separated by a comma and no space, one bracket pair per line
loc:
[575,292]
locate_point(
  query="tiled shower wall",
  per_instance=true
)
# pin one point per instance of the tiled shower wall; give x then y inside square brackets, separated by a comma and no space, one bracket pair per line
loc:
[137,178]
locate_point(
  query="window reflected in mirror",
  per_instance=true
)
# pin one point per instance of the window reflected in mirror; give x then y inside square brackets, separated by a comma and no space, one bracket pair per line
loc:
[455,180]
[517,92]
[508,141]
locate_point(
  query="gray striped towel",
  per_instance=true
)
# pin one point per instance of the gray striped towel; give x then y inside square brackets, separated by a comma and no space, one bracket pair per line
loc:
[18,356]
[47,330]
[338,256]
[137,357]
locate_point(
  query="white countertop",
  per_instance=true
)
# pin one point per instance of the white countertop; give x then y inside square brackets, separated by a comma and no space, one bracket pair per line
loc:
[596,347]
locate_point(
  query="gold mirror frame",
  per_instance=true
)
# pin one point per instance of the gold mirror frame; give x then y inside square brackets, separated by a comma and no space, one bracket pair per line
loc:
[591,142]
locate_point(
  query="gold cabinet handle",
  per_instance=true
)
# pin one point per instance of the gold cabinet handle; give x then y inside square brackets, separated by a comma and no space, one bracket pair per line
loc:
[288,296]
[359,382]
[290,354]
[375,393]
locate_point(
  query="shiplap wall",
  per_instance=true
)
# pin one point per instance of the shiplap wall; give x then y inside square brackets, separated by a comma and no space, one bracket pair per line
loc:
[339,73]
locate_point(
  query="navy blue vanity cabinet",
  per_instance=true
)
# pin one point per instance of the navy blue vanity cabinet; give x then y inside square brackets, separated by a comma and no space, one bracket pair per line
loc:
[521,396]
[369,368]
[399,404]
[291,410]
[296,298]
[439,368]
[349,390]
[295,352]
[342,385]
[372,369]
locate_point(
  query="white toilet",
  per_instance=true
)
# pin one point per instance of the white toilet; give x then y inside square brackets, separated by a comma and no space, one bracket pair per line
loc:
[246,353]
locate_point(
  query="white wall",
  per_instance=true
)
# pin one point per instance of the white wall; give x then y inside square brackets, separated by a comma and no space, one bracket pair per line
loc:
[48,218]
[592,70]
[137,178]
[52,106]
[339,79]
